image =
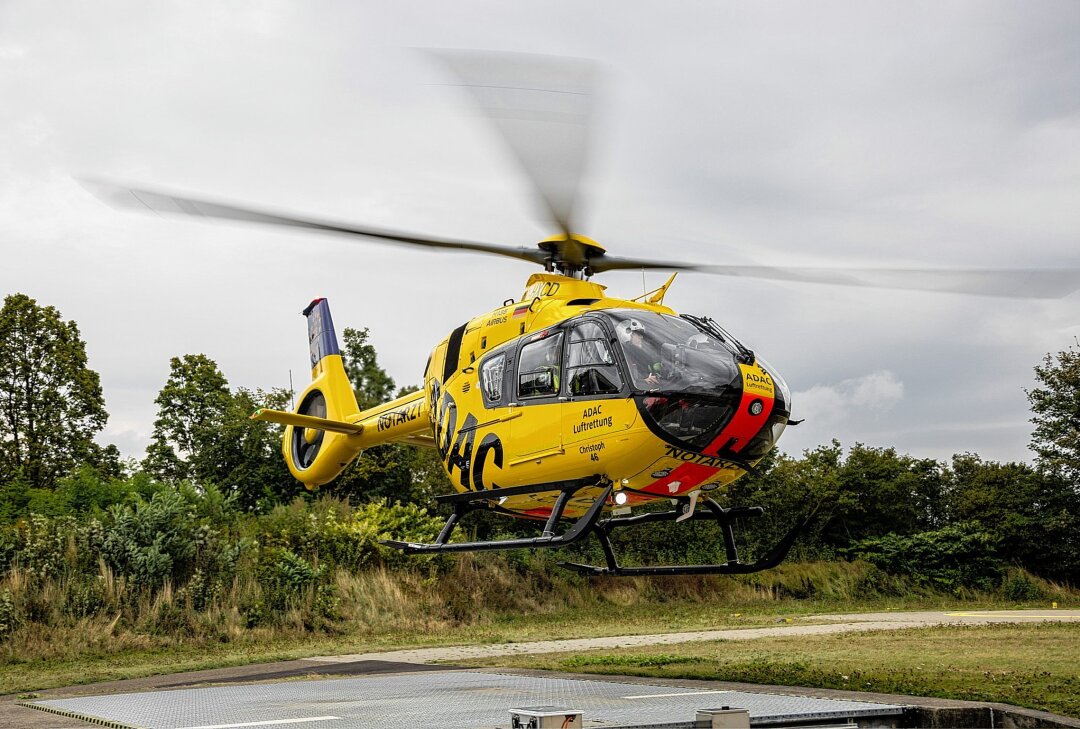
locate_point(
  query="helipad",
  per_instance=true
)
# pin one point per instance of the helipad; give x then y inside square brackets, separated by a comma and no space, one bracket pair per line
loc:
[448,699]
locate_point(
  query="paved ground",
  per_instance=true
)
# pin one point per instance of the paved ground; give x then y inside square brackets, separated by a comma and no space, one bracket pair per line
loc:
[17,717]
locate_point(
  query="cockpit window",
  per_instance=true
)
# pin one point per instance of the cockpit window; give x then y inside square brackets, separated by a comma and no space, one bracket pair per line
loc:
[590,364]
[538,367]
[668,353]
[491,376]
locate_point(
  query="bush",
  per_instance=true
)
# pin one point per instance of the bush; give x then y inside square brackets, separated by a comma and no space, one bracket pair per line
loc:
[960,556]
[328,531]
[288,579]
[1019,586]
[9,615]
[152,541]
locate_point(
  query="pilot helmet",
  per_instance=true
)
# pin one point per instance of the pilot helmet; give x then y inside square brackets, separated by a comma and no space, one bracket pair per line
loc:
[629,327]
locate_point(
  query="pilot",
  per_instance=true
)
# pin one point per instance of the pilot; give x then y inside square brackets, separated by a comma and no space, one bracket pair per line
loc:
[551,364]
[642,355]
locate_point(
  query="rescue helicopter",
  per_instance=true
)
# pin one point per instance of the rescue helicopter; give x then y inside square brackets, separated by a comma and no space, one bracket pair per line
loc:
[566,406]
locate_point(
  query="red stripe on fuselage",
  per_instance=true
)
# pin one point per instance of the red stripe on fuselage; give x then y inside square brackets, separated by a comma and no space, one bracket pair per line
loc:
[743,426]
[687,475]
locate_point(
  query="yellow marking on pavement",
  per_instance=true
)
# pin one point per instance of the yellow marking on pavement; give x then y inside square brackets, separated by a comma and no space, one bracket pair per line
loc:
[1010,616]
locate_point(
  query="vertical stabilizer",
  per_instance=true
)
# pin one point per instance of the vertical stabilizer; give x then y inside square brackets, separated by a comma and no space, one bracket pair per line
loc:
[322,340]
[316,456]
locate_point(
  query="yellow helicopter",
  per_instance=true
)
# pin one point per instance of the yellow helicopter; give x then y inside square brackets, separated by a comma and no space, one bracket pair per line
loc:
[567,405]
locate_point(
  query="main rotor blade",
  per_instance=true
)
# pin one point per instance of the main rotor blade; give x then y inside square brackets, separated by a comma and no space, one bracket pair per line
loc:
[541,106]
[158,201]
[1006,282]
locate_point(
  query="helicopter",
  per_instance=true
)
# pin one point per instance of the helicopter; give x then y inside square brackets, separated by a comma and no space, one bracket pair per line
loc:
[567,406]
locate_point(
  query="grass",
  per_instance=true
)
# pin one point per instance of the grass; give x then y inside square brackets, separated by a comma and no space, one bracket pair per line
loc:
[1031,665]
[485,600]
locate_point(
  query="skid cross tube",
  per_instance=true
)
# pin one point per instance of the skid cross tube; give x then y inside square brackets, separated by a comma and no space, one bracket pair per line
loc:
[714,512]
[579,529]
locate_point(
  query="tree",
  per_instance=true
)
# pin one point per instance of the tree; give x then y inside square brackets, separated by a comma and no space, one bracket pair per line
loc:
[245,458]
[1055,407]
[1035,515]
[372,385]
[204,433]
[51,404]
[191,407]
[888,493]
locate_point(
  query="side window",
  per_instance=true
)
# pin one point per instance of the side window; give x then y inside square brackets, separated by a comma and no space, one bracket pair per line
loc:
[590,365]
[538,367]
[491,377]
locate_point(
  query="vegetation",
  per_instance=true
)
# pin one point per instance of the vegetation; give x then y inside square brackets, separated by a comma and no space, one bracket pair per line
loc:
[209,549]
[1055,408]
[50,401]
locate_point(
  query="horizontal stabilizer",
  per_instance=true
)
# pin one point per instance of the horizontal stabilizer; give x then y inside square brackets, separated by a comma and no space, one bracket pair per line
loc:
[307,421]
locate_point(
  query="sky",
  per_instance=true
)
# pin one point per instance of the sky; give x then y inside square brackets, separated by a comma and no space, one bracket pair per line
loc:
[857,133]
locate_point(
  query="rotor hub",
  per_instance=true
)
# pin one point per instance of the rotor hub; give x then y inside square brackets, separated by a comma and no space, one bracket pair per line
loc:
[571,255]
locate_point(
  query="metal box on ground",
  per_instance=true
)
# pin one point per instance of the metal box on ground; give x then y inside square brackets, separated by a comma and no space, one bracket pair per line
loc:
[724,718]
[545,717]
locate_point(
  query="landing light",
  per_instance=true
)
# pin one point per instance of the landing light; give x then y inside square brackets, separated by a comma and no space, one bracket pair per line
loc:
[620,497]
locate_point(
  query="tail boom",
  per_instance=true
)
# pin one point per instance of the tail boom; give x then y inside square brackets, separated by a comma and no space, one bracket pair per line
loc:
[328,430]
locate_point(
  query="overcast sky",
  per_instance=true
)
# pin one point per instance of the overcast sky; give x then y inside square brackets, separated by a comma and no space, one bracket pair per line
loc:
[859,133]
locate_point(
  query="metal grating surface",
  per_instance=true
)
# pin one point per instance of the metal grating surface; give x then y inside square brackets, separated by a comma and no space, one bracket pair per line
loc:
[443,700]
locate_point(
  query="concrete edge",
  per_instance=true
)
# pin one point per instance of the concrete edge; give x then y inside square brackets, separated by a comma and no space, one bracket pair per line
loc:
[74,715]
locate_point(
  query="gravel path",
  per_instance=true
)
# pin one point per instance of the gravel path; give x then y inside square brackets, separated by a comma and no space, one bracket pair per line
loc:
[813,625]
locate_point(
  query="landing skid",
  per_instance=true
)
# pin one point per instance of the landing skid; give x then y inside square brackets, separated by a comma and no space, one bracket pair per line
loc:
[467,502]
[713,512]
[590,522]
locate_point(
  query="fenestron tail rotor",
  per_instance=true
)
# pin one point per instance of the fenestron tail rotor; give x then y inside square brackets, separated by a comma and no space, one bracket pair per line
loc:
[306,442]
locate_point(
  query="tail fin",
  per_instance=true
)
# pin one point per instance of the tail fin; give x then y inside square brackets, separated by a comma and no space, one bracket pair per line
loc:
[315,455]
[327,430]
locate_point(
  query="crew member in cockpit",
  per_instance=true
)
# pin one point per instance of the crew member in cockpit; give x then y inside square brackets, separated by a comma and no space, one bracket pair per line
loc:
[643,356]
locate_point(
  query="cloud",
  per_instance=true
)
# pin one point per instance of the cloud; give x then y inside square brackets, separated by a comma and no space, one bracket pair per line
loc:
[918,134]
[876,392]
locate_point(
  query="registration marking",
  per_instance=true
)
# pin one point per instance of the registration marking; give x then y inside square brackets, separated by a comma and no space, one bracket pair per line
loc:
[270,722]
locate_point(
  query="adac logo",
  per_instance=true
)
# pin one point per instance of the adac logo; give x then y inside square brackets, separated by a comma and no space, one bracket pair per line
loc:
[758,382]
[762,378]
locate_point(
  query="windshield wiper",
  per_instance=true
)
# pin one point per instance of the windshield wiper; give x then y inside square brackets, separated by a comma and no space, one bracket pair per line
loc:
[710,327]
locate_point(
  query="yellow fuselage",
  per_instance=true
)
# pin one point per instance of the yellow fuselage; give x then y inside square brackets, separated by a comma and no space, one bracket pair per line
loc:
[516,440]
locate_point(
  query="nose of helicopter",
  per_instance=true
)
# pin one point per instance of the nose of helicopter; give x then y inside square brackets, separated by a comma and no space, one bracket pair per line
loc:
[741,418]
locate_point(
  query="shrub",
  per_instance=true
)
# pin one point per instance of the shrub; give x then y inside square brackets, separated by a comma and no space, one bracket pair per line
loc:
[286,578]
[328,532]
[1019,586]
[152,541]
[951,558]
[9,615]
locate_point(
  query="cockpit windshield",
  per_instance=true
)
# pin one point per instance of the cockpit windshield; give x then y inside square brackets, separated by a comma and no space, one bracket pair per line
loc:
[669,353]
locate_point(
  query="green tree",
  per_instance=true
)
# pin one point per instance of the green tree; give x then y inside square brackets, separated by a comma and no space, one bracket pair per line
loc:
[204,433]
[1034,515]
[191,408]
[244,459]
[790,489]
[1055,407]
[887,493]
[372,385]
[51,404]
